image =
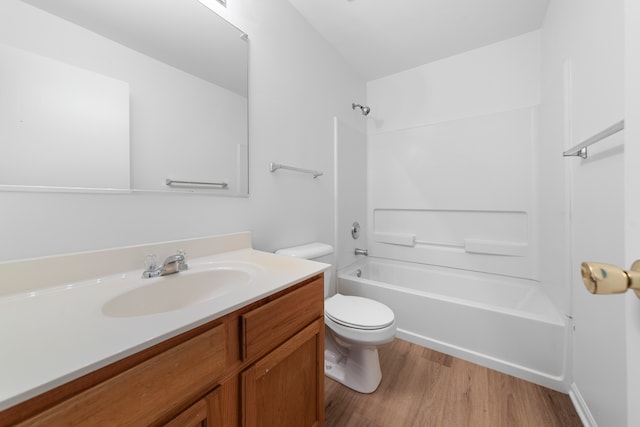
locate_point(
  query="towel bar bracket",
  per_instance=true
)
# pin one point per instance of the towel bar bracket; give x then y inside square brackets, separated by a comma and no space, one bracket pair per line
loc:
[580,153]
[580,150]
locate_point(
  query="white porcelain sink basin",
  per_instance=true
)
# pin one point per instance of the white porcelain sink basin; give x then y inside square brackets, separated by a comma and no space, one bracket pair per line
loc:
[176,291]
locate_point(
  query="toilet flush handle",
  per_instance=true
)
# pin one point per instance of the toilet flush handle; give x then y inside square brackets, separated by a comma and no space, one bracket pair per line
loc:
[600,278]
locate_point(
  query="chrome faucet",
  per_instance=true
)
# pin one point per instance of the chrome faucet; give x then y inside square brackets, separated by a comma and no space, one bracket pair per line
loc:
[359,251]
[173,264]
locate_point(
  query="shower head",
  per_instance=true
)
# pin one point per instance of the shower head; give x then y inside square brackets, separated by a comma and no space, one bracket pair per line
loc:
[365,110]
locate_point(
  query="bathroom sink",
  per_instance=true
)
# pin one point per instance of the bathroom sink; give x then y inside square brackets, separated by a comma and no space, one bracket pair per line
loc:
[176,291]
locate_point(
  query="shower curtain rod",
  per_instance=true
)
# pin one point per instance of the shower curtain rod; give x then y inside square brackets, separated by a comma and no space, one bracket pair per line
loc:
[580,150]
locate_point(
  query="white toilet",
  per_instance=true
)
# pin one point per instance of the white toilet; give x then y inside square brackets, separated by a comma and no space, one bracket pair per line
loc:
[355,327]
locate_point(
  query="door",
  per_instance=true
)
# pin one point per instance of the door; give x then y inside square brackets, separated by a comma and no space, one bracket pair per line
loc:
[632,201]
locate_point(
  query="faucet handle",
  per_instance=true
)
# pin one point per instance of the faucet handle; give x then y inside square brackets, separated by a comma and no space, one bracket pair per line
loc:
[150,262]
[182,265]
[150,266]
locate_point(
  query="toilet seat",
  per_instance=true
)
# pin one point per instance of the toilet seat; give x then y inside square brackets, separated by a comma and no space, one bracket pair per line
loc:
[358,312]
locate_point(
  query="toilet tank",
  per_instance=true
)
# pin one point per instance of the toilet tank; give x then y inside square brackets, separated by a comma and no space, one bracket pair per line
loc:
[316,251]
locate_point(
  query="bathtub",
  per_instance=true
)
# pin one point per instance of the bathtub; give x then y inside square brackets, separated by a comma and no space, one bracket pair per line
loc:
[503,323]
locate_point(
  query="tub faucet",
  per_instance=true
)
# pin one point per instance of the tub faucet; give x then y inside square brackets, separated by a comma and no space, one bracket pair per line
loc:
[172,264]
[359,251]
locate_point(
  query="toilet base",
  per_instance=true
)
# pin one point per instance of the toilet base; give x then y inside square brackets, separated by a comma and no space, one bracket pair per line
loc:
[359,369]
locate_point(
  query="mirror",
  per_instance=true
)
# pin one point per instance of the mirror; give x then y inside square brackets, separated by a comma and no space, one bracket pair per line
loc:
[120,95]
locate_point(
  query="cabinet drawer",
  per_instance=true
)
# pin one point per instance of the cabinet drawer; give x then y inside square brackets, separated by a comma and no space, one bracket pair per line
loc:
[149,391]
[268,326]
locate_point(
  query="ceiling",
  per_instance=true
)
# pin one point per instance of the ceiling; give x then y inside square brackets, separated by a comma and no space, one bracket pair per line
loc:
[383,37]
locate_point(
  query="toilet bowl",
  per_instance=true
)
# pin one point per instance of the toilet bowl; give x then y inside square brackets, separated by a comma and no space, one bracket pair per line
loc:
[354,328]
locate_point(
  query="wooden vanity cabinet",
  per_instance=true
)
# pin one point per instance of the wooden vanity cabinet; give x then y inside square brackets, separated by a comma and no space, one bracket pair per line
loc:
[261,365]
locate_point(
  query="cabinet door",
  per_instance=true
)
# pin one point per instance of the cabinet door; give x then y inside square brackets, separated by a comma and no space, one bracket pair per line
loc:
[286,387]
[206,412]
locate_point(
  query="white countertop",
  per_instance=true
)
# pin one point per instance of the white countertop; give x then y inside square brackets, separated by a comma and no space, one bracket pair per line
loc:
[53,335]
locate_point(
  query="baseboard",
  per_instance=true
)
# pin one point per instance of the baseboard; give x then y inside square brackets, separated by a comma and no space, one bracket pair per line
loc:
[581,407]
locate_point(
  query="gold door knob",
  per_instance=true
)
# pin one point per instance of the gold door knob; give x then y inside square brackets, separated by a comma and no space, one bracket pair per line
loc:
[600,278]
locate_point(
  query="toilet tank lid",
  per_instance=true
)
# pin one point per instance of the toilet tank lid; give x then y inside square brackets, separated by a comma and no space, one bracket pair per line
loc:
[308,251]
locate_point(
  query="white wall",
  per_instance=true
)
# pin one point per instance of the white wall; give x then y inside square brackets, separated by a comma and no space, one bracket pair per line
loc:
[495,78]
[583,93]
[297,84]
[452,160]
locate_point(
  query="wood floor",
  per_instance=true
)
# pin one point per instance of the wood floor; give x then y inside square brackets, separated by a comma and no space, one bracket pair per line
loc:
[423,388]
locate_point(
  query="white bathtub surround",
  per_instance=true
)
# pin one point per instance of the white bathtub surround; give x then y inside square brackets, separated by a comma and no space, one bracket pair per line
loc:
[57,328]
[466,193]
[451,160]
[504,323]
[453,195]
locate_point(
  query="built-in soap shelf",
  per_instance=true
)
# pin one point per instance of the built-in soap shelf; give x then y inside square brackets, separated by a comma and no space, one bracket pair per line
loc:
[475,246]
